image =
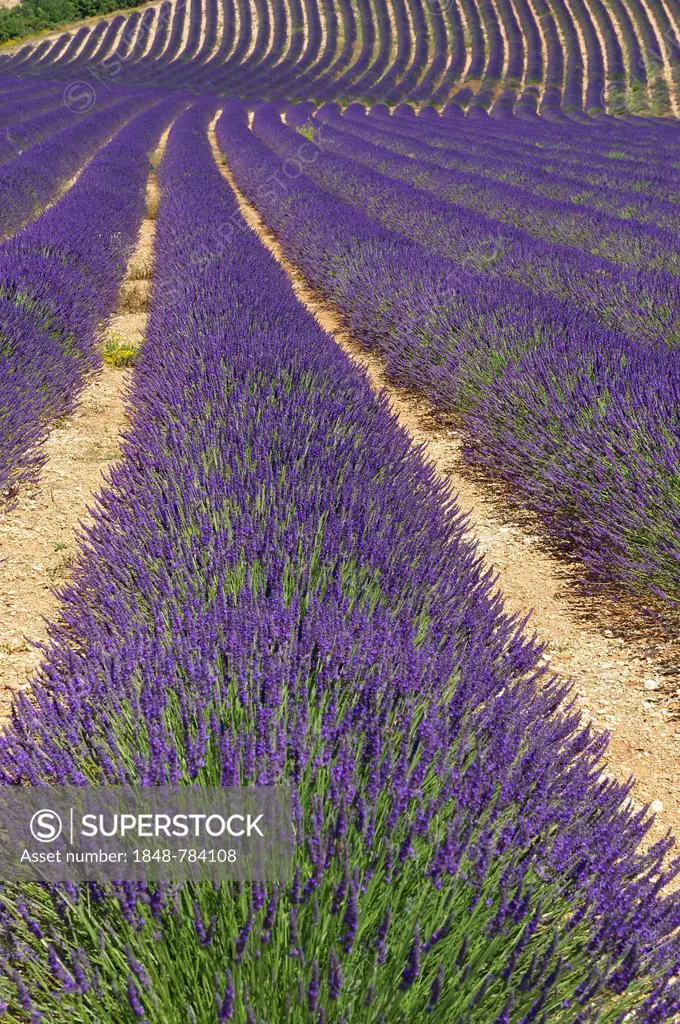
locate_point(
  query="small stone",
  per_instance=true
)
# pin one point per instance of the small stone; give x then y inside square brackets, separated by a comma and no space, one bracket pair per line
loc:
[652,684]
[656,806]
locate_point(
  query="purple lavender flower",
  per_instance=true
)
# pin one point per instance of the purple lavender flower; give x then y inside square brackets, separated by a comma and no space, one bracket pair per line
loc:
[381,938]
[226,1009]
[313,988]
[412,969]
[436,988]
[133,998]
[335,976]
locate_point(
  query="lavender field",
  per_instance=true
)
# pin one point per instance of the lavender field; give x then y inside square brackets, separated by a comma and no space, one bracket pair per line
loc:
[258,230]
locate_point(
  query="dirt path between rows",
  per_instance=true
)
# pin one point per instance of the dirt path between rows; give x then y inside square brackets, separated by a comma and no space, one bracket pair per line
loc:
[617,684]
[38,537]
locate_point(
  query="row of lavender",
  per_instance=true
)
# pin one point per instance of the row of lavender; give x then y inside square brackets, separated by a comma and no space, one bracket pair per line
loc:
[40,168]
[609,286]
[626,174]
[59,278]
[275,589]
[527,56]
[26,130]
[579,418]
[537,398]
[409,156]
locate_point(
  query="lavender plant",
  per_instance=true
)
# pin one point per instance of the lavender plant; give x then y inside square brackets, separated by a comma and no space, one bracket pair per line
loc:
[59,281]
[555,404]
[276,589]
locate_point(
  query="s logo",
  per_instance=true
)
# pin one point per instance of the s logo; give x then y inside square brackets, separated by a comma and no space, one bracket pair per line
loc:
[46,826]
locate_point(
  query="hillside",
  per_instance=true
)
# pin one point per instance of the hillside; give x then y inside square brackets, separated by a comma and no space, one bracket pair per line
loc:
[546,56]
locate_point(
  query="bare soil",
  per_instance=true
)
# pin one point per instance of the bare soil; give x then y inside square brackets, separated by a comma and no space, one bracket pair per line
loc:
[38,537]
[621,686]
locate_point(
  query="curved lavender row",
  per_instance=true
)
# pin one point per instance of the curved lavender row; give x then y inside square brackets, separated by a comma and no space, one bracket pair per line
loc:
[572,94]
[94,41]
[415,63]
[643,150]
[328,56]
[324,85]
[194,35]
[516,61]
[18,137]
[668,32]
[579,14]
[643,305]
[142,61]
[110,36]
[476,45]
[59,280]
[259,63]
[614,156]
[509,162]
[657,88]
[456,335]
[615,70]
[125,47]
[491,75]
[458,57]
[77,40]
[26,60]
[99,42]
[365,30]
[442,54]
[646,180]
[370,84]
[625,242]
[33,179]
[534,68]
[10,62]
[633,61]
[394,69]
[256,72]
[550,105]
[305,609]
[333,58]
[160,36]
[390,70]
[18,110]
[210,34]
[622,195]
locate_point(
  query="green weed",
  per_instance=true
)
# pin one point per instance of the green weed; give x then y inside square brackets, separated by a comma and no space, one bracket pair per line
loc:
[119,353]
